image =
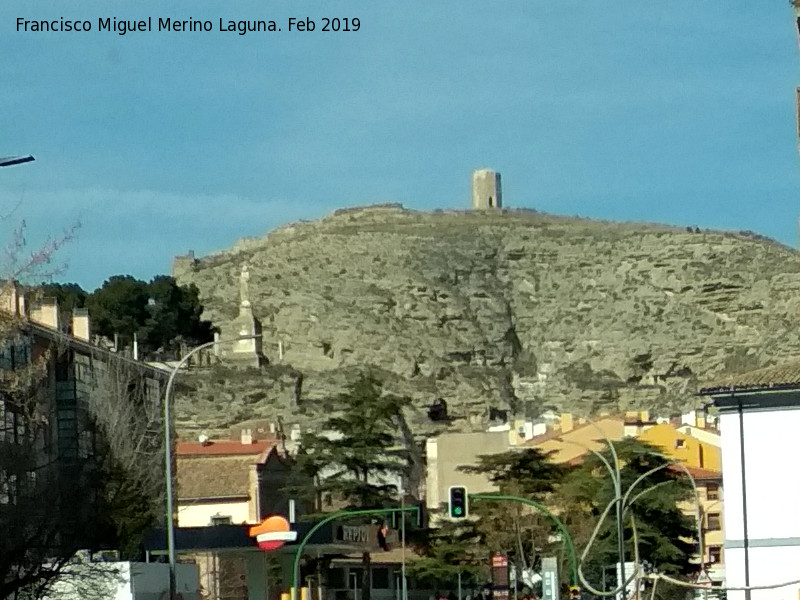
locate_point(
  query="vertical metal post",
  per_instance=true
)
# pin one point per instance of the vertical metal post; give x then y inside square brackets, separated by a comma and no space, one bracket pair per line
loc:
[744,503]
[354,577]
[515,581]
[403,543]
[168,473]
[623,594]
[459,584]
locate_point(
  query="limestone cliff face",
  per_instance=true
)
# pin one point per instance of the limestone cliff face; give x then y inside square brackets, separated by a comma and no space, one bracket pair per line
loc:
[513,311]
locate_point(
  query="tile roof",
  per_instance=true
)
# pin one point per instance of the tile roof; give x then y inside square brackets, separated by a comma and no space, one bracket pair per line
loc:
[699,474]
[214,477]
[224,448]
[783,376]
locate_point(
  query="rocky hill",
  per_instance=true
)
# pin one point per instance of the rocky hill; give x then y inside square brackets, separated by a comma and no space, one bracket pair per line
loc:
[495,312]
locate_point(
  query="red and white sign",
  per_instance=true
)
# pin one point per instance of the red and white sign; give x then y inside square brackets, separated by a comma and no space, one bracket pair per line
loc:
[498,560]
[272,533]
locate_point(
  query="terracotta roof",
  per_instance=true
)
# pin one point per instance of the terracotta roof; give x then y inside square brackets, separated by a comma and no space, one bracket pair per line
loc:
[223,448]
[784,376]
[701,474]
[214,477]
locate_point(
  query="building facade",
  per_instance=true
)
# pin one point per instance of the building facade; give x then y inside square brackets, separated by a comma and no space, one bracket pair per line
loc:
[759,414]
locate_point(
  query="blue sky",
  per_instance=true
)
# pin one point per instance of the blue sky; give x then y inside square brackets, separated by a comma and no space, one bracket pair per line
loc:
[679,112]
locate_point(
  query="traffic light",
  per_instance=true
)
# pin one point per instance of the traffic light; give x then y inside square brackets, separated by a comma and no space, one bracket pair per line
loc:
[458,505]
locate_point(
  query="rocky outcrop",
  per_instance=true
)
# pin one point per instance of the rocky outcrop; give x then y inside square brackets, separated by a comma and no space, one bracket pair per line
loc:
[499,312]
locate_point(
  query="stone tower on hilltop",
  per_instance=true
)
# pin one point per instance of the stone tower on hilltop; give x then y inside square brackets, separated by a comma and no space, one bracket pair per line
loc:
[486,191]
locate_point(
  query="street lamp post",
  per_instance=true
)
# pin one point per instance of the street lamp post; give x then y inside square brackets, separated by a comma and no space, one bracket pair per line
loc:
[403,584]
[8,161]
[170,508]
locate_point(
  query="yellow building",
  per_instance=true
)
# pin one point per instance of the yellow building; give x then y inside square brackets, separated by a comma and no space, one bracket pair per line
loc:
[572,441]
[702,460]
[709,488]
[683,447]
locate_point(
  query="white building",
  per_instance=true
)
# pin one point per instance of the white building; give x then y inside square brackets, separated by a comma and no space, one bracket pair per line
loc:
[760,423]
[89,580]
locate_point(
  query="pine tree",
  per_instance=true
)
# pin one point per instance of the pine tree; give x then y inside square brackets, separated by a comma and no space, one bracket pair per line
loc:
[512,529]
[355,458]
[666,536]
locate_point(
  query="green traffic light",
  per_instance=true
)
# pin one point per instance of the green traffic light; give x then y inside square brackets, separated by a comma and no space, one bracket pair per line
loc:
[457,511]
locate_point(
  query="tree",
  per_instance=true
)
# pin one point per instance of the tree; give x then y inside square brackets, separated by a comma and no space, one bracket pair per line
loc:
[666,537]
[518,531]
[80,447]
[125,407]
[448,550]
[38,515]
[355,456]
[68,295]
[174,315]
[119,306]
[161,313]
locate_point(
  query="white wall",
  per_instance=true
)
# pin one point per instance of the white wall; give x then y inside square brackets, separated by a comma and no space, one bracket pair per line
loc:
[199,515]
[768,566]
[772,449]
[704,435]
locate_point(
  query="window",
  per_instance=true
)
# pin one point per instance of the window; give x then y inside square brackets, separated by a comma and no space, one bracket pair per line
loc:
[680,443]
[8,488]
[219,519]
[336,578]
[3,411]
[380,578]
[713,522]
[715,554]
[712,491]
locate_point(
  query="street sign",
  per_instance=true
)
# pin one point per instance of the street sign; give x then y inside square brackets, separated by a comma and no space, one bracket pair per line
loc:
[704,579]
[550,586]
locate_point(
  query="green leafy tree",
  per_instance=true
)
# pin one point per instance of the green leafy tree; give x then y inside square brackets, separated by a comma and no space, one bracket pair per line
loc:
[161,313]
[447,551]
[527,472]
[517,531]
[174,315]
[68,295]
[666,537]
[119,306]
[355,456]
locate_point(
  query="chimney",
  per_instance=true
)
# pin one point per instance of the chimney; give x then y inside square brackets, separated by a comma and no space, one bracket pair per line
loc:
[247,436]
[11,301]
[46,313]
[80,324]
[567,423]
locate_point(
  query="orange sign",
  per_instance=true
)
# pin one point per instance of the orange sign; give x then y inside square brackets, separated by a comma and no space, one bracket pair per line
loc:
[272,533]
